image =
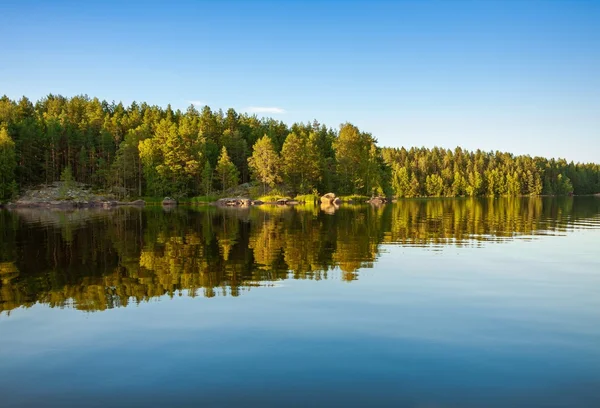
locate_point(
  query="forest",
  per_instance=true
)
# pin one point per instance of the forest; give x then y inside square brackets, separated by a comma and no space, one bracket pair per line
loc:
[149,151]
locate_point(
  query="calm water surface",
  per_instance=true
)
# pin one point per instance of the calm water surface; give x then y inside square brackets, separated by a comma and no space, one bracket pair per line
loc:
[423,303]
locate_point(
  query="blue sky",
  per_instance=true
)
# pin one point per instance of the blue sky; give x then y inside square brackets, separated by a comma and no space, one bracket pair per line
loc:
[519,76]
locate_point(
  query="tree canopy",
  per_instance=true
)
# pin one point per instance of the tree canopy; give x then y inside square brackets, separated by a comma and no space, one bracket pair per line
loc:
[144,150]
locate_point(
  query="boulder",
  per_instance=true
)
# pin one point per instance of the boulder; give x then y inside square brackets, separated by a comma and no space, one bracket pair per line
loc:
[377,200]
[337,201]
[168,201]
[24,203]
[257,202]
[139,203]
[282,201]
[234,202]
[328,198]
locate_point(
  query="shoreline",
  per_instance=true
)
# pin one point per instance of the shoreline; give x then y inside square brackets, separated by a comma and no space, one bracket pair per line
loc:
[231,202]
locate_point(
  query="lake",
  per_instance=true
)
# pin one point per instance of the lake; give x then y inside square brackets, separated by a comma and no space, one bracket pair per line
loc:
[422,303]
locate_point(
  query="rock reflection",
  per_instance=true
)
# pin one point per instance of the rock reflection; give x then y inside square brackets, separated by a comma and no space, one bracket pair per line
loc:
[95,260]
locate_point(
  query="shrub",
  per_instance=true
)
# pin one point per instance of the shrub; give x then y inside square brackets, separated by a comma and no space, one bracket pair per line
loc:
[270,198]
[203,199]
[307,198]
[356,198]
[67,181]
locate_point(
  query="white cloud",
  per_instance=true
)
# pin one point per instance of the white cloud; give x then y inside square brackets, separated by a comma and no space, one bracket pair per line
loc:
[265,109]
[197,104]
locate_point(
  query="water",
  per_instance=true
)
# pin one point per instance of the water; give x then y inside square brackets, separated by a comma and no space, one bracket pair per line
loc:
[423,303]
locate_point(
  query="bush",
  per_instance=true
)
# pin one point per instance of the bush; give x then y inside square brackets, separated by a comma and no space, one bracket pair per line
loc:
[152,200]
[67,182]
[273,195]
[356,198]
[270,198]
[255,191]
[203,199]
[307,198]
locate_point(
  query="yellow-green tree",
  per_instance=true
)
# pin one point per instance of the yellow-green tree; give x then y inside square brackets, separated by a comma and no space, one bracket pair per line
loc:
[264,162]
[226,172]
[356,156]
[300,162]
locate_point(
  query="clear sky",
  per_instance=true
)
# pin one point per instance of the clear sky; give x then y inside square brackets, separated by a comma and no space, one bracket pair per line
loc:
[519,76]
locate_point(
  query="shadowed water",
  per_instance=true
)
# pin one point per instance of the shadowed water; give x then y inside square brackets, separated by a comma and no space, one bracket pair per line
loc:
[454,302]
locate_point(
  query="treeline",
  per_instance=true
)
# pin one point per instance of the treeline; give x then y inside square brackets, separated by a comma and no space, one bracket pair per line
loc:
[143,150]
[454,173]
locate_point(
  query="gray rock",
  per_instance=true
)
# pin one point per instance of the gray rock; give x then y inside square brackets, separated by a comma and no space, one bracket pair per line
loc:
[168,201]
[377,200]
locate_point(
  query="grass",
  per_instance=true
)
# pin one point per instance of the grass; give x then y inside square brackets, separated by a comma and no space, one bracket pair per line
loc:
[203,199]
[307,198]
[270,198]
[193,200]
[152,200]
[355,198]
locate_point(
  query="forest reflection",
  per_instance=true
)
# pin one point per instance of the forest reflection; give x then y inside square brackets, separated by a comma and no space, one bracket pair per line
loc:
[95,260]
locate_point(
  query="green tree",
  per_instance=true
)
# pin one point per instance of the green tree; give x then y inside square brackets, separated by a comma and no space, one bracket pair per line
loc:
[352,153]
[66,177]
[264,163]
[300,163]
[127,167]
[226,172]
[237,148]
[8,164]
[400,181]
[415,188]
[434,185]
[459,185]
[207,179]
[564,185]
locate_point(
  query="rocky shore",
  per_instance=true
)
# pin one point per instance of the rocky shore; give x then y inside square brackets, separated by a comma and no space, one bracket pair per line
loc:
[62,196]
[59,195]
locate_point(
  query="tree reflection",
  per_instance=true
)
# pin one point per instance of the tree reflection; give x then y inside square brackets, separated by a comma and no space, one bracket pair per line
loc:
[96,260]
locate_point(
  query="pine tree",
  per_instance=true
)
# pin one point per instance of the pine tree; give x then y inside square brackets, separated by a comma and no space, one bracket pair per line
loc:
[207,178]
[8,164]
[226,171]
[401,181]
